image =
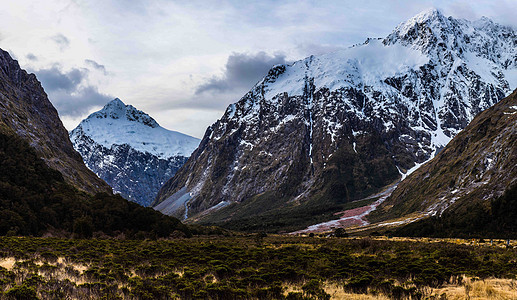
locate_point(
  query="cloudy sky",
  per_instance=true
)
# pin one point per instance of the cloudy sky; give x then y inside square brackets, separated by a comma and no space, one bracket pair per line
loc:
[183,62]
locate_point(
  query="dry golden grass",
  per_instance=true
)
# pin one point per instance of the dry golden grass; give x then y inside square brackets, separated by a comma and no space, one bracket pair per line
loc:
[470,289]
[7,263]
[336,291]
[63,269]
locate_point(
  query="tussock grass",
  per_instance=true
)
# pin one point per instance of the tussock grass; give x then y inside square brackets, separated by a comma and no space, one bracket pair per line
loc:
[475,289]
[274,267]
[470,288]
[7,263]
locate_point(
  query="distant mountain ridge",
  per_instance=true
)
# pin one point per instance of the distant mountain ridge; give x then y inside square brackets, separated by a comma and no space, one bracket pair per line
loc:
[130,150]
[337,127]
[26,111]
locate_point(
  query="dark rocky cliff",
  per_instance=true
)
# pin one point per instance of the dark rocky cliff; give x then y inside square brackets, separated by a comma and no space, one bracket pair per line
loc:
[26,111]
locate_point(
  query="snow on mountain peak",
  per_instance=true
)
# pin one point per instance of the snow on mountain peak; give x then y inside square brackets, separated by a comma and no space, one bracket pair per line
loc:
[426,15]
[116,109]
[117,124]
[426,64]
[434,34]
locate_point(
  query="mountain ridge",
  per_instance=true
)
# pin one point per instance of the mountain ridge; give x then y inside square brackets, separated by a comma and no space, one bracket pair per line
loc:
[45,188]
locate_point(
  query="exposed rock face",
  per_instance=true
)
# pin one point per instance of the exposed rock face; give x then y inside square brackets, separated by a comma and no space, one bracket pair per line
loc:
[477,166]
[130,151]
[337,127]
[26,111]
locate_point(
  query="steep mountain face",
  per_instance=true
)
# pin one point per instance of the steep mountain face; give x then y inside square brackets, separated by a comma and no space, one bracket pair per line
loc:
[130,151]
[337,127]
[26,111]
[462,186]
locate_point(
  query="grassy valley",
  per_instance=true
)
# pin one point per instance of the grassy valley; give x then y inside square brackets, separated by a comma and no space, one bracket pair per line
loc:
[254,267]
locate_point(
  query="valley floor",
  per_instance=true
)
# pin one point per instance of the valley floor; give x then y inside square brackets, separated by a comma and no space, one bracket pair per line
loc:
[355,217]
[256,267]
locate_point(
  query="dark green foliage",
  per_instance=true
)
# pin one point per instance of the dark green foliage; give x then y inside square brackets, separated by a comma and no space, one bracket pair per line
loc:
[359,283]
[239,268]
[340,232]
[498,219]
[313,289]
[35,200]
[22,292]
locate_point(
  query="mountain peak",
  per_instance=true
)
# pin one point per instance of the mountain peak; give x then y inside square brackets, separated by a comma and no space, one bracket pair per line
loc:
[428,14]
[115,103]
[116,109]
[430,18]
[128,149]
[305,125]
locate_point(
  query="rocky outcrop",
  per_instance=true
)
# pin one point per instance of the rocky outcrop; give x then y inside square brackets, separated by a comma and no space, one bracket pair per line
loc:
[26,111]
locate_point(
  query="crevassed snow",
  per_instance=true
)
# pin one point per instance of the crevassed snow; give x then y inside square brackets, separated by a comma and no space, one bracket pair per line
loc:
[366,64]
[118,124]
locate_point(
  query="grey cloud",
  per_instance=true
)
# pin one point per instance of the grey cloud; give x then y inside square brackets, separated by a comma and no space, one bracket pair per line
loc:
[32,57]
[242,70]
[54,79]
[80,102]
[62,41]
[96,65]
[69,91]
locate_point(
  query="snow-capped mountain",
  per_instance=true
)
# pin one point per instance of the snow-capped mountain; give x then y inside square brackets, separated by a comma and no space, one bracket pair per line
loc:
[340,126]
[130,151]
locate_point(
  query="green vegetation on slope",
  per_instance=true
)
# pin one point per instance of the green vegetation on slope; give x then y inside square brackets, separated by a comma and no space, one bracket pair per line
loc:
[35,200]
[252,267]
[476,166]
[498,219]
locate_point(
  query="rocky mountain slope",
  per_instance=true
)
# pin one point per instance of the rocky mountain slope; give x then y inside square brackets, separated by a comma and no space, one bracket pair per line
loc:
[337,127]
[43,180]
[463,182]
[26,111]
[130,151]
